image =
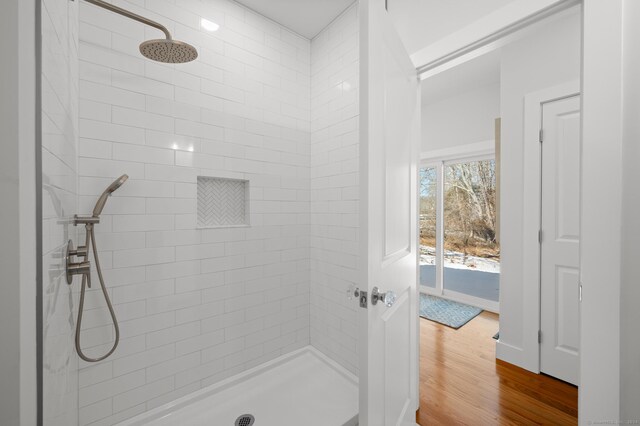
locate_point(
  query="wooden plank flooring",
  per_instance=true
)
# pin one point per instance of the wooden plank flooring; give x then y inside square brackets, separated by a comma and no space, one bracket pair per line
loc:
[462,383]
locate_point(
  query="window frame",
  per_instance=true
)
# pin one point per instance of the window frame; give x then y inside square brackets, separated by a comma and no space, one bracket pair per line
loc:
[483,151]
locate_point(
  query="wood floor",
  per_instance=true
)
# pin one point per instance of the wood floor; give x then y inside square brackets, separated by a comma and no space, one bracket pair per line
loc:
[462,383]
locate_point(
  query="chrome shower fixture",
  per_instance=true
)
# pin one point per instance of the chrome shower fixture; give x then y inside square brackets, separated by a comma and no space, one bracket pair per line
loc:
[165,50]
[83,267]
[110,189]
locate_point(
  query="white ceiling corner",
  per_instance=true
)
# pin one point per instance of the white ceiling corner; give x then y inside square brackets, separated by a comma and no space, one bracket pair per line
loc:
[304,17]
[423,22]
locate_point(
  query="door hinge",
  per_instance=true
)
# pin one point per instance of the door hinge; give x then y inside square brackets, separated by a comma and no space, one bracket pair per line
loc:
[539,336]
[540,134]
[580,292]
[540,236]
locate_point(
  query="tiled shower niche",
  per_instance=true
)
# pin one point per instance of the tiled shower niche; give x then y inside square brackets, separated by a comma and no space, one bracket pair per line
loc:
[222,202]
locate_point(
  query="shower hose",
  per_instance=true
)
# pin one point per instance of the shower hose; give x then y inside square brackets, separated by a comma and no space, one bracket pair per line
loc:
[86,281]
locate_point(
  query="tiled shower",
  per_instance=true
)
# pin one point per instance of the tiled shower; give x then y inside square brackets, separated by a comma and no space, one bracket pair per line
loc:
[198,299]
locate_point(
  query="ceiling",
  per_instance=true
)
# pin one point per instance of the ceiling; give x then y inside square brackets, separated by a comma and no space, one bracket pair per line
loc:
[422,22]
[481,71]
[305,17]
[419,22]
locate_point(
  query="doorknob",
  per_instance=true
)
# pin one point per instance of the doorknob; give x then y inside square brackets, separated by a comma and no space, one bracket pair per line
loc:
[388,298]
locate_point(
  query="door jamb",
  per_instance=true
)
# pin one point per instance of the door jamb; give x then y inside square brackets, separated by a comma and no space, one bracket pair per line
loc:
[532,218]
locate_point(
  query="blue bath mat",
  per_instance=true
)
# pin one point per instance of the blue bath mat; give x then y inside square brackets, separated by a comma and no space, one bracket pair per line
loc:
[447,312]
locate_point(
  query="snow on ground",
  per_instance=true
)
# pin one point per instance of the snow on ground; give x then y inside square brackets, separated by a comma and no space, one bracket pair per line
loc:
[457,260]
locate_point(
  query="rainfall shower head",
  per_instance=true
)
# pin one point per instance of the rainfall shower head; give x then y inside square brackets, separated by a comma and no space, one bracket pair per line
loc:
[165,50]
[110,189]
[169,51]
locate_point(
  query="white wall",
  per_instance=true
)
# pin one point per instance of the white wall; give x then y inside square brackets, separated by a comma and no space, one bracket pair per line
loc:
[194,305]
[334,188]
[609,337]
[462,119]
[59,204]
[543,59]
[630,290]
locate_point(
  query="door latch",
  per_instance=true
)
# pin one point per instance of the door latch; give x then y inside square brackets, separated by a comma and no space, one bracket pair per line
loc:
[354,291]
[363,299]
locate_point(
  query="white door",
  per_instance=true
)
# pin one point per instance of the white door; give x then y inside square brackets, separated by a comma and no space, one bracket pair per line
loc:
[390,126]
[560,305]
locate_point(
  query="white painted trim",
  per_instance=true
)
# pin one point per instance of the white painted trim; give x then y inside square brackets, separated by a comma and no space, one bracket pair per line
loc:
[439,228]
[461,152]
[487,33]
[28,109]
[603,118]
[531,221]
[509,353]
[495,42]
[18,260]
[487,305]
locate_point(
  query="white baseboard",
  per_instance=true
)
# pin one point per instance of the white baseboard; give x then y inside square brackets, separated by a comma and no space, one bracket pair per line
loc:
[509,353]
[516,356]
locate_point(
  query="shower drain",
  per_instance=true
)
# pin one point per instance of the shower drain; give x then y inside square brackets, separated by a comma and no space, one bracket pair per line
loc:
[245,420]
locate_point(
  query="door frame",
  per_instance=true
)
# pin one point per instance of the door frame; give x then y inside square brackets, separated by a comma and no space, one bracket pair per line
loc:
[532,220]
[438,159]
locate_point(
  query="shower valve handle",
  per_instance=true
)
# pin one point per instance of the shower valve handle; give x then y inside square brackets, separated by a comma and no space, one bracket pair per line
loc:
[81,251]
[75,268]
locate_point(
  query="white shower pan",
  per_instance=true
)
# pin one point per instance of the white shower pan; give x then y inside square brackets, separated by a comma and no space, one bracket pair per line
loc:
[301,388]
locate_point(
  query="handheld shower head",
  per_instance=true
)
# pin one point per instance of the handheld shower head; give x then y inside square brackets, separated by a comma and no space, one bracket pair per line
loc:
[84,268]
[110,189]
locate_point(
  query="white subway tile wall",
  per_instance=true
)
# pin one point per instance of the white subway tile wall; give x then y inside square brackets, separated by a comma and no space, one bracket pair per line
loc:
[334,188]
[59,80]
[195,305]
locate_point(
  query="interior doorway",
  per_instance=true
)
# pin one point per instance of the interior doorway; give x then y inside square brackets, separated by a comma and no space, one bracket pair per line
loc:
[454,217]
[458,184]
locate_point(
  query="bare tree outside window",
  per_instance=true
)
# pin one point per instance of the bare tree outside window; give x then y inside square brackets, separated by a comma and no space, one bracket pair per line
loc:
[470,209]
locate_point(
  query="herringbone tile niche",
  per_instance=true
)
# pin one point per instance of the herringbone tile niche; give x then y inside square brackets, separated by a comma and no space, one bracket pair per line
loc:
[222,202]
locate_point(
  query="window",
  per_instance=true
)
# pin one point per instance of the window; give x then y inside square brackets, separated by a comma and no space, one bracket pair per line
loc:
[428,200]
[459,252]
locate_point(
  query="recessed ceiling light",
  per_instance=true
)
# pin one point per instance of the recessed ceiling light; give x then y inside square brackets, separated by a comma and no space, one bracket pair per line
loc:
[208,25]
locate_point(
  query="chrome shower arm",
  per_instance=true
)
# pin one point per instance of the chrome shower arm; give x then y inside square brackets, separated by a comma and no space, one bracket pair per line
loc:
[131,15]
